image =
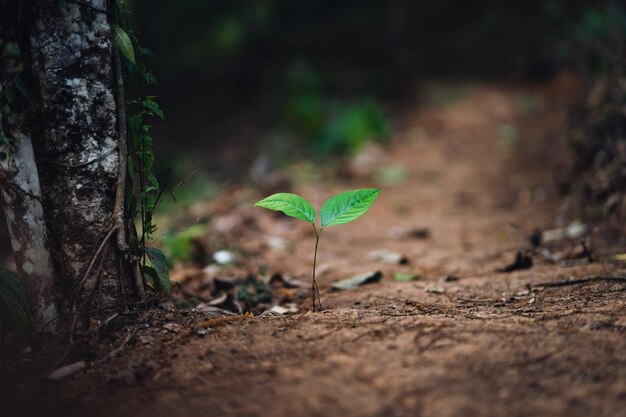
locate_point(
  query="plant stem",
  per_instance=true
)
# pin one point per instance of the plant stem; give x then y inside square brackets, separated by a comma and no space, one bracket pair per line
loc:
[314,287]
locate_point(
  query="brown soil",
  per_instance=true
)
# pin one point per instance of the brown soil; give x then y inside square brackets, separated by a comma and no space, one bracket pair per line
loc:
[487,344]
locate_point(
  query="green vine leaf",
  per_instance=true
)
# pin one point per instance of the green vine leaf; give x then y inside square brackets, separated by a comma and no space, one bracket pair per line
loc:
[124,43]
[13,300]
[154,108]
[291,204]
[347,206]
[159,272]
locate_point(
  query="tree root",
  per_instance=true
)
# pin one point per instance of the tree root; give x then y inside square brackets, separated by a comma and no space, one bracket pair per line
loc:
[118,209]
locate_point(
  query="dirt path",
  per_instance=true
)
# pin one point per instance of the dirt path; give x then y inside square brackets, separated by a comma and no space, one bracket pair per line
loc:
[483,345]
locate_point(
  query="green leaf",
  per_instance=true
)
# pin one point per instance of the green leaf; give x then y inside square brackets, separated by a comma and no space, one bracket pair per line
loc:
[347,206]
[402,277]
[291,204]
[124,43]
[13,300]
[146,52]
[153,107]
[159,263]
[12,49]
[152,277]
[121,4]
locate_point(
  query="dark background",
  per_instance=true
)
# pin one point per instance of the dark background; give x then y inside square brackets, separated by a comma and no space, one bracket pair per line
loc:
[226,67]
[315,79]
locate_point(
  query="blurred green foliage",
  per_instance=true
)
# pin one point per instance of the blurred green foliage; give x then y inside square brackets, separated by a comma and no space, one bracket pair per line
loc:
[180,246]
[331,126]
[598,135]
[13,302]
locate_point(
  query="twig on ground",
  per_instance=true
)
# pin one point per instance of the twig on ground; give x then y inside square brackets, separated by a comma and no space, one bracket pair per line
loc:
[66,370]
[117,350]
[576,281]
[476,300]
[72,368]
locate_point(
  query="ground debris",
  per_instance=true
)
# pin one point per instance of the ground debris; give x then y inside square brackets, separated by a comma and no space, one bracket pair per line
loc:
[278,310]
[585,280]
[410,233]
[211,323]
[388,257]
[402,277]
[288,282]
[66,370]
[446,279]
[574,230]
[357,280]
[435,290]
[523,260]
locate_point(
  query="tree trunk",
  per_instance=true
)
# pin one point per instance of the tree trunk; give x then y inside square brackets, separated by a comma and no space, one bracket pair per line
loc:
[75,131]
[27,230]
[77,148]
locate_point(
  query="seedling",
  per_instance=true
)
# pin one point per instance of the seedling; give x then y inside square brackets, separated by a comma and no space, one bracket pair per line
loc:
[339,209]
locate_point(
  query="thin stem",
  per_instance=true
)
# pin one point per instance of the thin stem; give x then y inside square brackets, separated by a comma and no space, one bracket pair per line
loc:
[314,288]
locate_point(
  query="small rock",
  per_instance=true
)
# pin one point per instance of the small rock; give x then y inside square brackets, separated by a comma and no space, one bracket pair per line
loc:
[172,327]
[436,290]
[146,339]
[223,257]
[291,307]
[202,332]
[574,230]
[388,257]
[279,311]
[275,242]
[449,278]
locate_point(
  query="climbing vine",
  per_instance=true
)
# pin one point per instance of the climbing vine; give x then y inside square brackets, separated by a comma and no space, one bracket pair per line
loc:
[142,189]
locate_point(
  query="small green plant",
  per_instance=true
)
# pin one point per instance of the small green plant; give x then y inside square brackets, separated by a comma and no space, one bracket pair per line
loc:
[339,209]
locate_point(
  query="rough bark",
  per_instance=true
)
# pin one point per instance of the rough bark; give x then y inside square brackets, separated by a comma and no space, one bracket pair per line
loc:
[76,147]
[27,230]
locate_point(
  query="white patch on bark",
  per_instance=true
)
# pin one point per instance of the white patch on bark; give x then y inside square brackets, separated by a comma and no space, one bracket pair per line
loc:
[27,230]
